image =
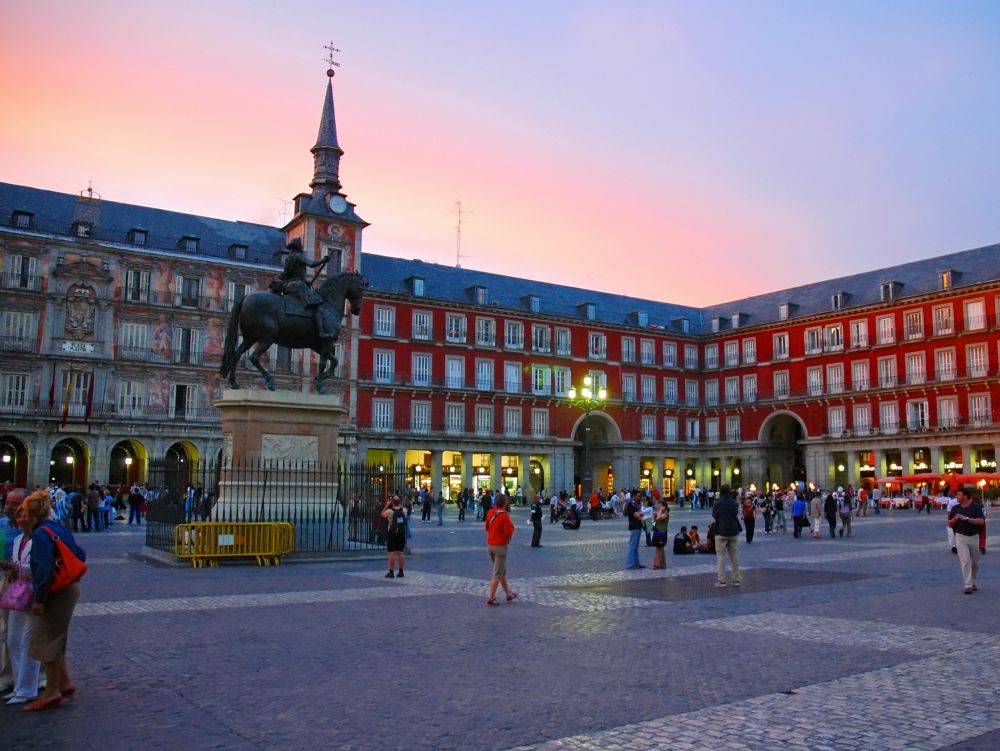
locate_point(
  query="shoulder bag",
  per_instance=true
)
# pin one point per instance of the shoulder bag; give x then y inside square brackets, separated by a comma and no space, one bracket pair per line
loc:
[68,568]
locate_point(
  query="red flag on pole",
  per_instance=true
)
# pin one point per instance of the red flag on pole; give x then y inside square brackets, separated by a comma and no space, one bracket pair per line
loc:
[90,399]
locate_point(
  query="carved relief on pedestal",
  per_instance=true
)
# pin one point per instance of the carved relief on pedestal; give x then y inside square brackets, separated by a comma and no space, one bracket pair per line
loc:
[295,448]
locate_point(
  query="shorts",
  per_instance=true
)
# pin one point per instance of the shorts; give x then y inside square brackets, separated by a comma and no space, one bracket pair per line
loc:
[396,541]
[498,554]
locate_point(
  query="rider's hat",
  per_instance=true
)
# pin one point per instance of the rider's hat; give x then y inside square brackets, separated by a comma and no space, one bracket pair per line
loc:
[295,245]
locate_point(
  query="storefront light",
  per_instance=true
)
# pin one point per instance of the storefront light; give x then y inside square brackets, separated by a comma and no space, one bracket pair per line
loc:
[128,461]
[753,488]
[418,468]
[538,470]
[840,467]
[690,472]
[736,471]
[715,473]
[6,458]
[452,469]
[69,459]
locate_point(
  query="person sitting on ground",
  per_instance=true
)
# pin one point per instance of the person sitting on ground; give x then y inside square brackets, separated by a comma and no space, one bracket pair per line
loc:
[709,545]
[694,537]
[682,545]
[572,518]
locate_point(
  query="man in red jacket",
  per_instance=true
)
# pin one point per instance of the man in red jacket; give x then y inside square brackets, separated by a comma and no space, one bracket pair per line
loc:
[499,530]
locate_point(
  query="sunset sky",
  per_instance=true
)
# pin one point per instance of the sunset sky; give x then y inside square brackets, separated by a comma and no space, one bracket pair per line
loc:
[694,152]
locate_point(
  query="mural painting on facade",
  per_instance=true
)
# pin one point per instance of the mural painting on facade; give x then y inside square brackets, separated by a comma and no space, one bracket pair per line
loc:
[159,393]
[162,341]
[215,290]
[164,284]
[214,337]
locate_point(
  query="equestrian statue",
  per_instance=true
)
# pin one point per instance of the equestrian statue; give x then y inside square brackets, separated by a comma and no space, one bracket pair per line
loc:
[292,315]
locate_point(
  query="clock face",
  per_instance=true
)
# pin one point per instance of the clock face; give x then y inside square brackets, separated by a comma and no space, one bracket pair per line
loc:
[337,203]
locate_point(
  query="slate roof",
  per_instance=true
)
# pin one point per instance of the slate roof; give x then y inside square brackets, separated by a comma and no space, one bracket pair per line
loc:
[55,212]
[913,278]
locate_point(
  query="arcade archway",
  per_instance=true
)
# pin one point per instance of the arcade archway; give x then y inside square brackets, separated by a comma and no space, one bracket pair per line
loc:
[596,435]
[127,463]
[13,461]
[781,435]
[181,464]
[69,462]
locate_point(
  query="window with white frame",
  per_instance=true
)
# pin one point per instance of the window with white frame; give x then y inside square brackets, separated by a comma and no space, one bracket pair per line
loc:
[20,272]
[693,428]
[564,342]
[541,380]
[859,334]
[597,345]
[647,352]
[184,400]
[484,375]
[885,327]
[916,368]
[187,345]
[979,410]
[711,393]
[750,388]
[382,411]
[691,393]
[541,338]
[133,340]
[781,384]
[648,388]
[711,356]
[561,381]
[836,421]
[975,315]
[628,349]
[732,354]
[749,351]
[887,372]
[420,417]
[913,324]
[420,373]
[712,430]
[835,337]
[598,380]
[814,341]
[423,325]
[733,433]
[628,387]
[385,320]
[484,419]
[131,397]
[944,364]
[13,392]
[888,417]
[454,418]
[237,291]
[690,356]
[539,423]
[486,332]
[136,287]
[780,343]
[669,355]
[455,328]
[512,377]
[18,329]
[944,320]
[917,414]
[670,391]
[384,365]
[512,421]
[977,360]
[783,310]
[862,419]
[948,411]
[732,390]
[835,378]
[513,334]
[669,428]
[454,372]
[859,375]
[648,428]
[814,381]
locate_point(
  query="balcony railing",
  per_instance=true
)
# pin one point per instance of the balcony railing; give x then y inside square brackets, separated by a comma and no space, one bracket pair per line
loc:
[977,422]
[405,425]
[26,282]
[218,303]
[143,412]
[18,344]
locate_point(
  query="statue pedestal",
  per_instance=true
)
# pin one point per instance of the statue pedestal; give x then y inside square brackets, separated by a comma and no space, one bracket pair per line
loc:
[279,457]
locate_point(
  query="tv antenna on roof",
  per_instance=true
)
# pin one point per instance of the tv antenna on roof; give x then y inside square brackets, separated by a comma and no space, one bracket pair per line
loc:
[330,62]
[458,232]
[283,214]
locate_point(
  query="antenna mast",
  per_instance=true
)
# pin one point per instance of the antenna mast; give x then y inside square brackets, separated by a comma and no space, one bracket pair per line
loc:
[458,232]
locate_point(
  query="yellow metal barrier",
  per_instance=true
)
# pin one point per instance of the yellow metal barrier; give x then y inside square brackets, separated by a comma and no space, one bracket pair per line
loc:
[207,542]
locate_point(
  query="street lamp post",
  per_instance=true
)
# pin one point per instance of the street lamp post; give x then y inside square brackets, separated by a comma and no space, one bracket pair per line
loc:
[587,400]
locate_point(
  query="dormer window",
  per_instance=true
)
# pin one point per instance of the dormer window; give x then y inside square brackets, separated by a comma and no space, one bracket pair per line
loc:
[683,324]
[588,310]
[416,284]
[138,236]
[736,320]
[533,303]
[783,311]
[479,294]
[639,318]
[21,219]
[716,324]
[238,251]
[887,291]
[946,278]
[189,244]
[836,301]
[83,229]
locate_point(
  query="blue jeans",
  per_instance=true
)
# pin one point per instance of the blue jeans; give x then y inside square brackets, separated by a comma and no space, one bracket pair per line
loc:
[134,513]
[440,515]
[632,558]
[409,534]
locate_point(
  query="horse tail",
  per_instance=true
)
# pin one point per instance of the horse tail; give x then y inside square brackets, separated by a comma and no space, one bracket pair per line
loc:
[232,331]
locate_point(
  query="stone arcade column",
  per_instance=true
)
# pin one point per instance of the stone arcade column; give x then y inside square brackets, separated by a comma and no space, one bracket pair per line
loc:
[436,472]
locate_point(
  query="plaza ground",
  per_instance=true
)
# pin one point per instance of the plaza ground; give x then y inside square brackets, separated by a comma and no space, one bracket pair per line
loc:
[862,643]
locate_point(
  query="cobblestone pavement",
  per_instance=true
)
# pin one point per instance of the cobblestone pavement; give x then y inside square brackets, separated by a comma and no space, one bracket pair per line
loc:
[864,644]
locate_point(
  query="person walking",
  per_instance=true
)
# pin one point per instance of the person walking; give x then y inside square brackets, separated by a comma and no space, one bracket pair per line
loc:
[635,524]
[862,502]
[726,513]
[536,521]
[647,519]
[967,518]
[749,509]
[499,530]
[661,524]
[816,509]
[395,539]
[844,511]
[425,506]
[952,502]
[135,500]
[799,518]
[21,624]
[830,511]
[767,513]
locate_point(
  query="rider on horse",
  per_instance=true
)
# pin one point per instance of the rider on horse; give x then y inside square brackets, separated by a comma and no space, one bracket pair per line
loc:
[293,281]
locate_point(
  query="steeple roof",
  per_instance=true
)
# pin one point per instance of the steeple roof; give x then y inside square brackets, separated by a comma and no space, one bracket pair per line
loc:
[327,152]
[327,137]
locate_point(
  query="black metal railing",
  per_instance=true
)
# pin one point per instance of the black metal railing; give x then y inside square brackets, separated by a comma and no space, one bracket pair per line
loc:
[18,344]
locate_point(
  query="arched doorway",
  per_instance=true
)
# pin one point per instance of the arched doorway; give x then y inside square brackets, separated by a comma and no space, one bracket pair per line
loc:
[536,476]
[128,463]
[13,461]
[596,435]
[69,463]
[781,435]
[181,464]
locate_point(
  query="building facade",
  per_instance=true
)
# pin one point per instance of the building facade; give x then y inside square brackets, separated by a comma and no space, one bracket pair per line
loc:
[113,318]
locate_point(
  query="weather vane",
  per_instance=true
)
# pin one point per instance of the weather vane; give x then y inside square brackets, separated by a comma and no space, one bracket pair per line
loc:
[330,49]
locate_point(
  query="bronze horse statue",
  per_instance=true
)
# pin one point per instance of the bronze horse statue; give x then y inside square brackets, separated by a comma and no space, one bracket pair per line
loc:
[262,319]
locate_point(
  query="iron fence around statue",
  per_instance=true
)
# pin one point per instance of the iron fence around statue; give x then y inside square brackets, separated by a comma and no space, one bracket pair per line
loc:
[333,507]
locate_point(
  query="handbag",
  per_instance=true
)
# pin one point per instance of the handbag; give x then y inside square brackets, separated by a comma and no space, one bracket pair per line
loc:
[659,538]
[19,595]
[69,568]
